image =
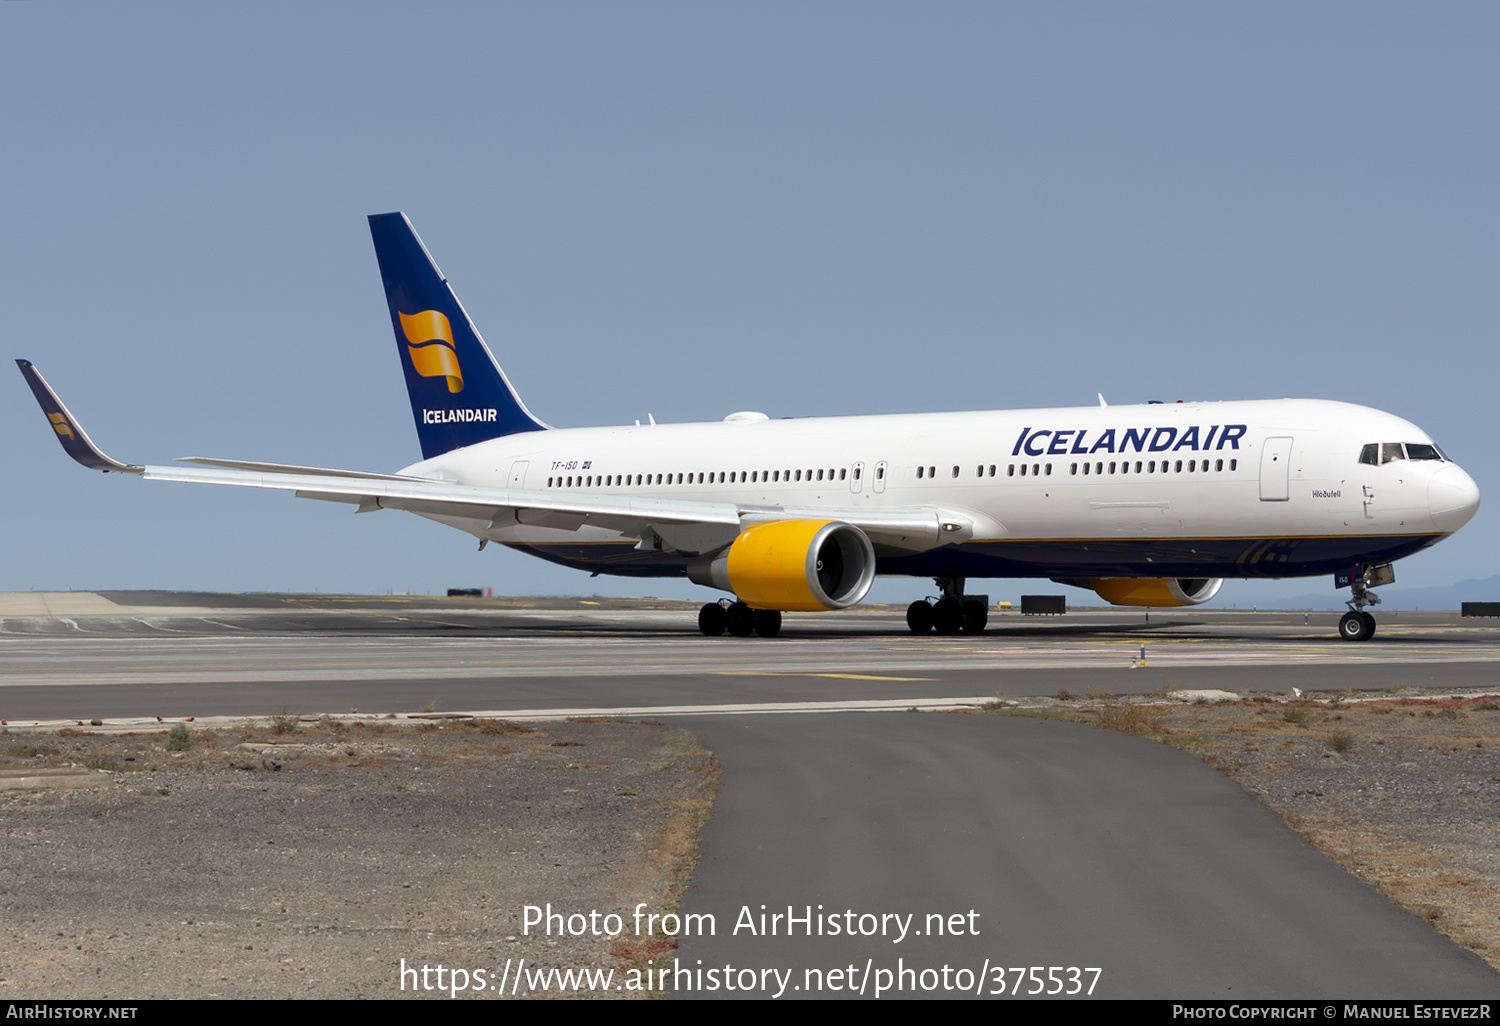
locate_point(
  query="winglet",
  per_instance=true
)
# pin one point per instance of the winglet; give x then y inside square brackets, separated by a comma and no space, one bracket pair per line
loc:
[75,441]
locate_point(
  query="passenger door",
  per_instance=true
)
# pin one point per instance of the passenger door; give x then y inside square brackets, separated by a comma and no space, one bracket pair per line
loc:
[1275,468]
[857,478]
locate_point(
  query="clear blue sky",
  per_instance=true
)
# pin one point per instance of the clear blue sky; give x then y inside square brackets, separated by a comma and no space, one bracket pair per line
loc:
[689,209]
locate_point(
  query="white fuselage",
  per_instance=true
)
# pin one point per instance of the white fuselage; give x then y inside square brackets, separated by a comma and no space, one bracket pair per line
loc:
[1144,483]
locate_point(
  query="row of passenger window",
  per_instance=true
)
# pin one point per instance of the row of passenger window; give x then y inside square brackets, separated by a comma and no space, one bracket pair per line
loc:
[718,477]
[929,473]
[1112,467]
[1151,467]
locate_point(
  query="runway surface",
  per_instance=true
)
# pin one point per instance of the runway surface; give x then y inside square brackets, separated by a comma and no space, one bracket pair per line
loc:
[194,655]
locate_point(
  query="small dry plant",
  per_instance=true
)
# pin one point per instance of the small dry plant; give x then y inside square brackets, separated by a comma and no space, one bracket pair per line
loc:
[1131,719]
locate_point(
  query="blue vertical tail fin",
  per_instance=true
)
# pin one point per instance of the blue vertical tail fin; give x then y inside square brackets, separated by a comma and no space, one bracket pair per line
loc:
[459,394]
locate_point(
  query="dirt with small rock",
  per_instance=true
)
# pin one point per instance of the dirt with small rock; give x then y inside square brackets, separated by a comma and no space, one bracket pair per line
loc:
[312,863]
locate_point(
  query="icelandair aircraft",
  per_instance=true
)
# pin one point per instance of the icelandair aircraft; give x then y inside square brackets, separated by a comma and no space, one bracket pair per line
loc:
[1148,505]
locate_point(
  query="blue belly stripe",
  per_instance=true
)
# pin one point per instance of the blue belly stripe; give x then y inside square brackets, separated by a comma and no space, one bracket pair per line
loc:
[1050,557]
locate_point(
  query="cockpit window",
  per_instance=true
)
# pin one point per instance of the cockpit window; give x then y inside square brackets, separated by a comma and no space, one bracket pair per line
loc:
[1388,452]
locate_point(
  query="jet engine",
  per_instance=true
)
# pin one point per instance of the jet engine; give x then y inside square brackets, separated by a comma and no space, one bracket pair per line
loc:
[786,565]
[1155,591]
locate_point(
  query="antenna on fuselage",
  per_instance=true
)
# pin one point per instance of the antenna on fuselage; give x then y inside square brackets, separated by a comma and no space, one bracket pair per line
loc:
[1101,400]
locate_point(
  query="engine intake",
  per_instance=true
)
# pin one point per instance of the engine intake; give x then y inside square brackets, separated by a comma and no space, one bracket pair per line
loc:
[806,565]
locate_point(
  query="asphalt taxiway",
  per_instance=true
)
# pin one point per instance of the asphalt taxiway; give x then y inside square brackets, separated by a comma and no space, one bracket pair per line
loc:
[1075,848]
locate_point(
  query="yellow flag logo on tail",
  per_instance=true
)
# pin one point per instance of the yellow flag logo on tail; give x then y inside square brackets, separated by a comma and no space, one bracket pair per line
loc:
[61,426]
[432,351]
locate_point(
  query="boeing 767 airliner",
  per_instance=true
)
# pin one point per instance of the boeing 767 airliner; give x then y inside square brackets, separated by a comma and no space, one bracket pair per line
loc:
[1150,505]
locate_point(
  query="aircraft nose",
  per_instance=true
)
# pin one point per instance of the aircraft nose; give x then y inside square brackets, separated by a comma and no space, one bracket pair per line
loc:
[1452,498]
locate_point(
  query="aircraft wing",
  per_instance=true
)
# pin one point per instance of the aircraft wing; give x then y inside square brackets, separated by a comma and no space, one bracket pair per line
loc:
[460,500]
[688,525]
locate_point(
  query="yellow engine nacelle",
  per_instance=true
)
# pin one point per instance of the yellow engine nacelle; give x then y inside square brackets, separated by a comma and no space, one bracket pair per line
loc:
[807,565]
[1156,591]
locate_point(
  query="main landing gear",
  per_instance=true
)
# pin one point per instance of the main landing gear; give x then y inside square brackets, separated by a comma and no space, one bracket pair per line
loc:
[739,620]
[951,613]
[1358,625]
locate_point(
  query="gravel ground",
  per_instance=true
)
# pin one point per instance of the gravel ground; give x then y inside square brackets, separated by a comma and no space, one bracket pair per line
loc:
[312,869]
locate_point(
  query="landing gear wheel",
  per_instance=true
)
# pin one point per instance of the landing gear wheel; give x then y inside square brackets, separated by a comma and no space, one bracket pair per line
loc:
[919,616]
[1356,626]
[975,616]
[947,617]
[768,622]
[712,620]
[741,620]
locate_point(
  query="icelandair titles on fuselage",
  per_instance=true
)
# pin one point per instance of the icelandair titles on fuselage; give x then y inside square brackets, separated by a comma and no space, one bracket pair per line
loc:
[1160,439]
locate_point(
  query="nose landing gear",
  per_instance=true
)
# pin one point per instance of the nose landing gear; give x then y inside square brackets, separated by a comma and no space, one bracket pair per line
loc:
[1358,625]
